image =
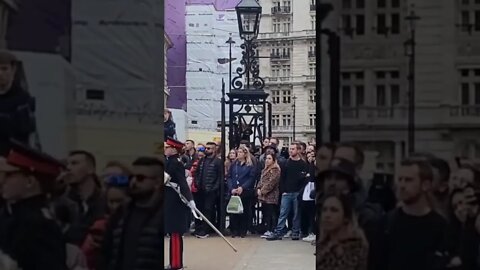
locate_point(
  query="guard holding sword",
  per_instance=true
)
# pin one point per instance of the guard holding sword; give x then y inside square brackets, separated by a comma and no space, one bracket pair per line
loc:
[177,212]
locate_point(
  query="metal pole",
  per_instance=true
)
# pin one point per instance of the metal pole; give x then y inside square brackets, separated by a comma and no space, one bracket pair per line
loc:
[318,78]
[294,116]
[222,184]
[230,42]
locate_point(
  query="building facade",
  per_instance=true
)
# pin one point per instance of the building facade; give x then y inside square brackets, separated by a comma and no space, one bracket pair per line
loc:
[287,41]
[375,76]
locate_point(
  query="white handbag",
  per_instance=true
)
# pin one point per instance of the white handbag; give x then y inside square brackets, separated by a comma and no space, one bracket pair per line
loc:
[307,191]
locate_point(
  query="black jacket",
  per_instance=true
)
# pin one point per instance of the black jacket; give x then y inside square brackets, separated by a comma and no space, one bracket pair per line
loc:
[209,174]
[31,237]
[169,130]
[188,160]
[82,222]
[149,250]
[16,118]
[176,211]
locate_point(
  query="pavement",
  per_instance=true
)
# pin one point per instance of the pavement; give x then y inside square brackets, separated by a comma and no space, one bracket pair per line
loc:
[253,253]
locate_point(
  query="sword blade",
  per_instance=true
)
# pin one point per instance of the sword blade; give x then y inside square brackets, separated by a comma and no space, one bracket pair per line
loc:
[185,201]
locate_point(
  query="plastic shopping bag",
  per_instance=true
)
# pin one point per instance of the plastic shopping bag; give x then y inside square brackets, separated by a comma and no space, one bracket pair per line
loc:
[235,205]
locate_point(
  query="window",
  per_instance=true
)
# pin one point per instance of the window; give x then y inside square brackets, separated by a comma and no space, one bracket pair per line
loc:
[465,94]
[287,120]
[360,24]
[387,85]
[276,25]
[381,96]
[381,24]
[285,70]
[287,96]
[353,18]
[281,50]
[312,118]
[95,94]
[347,4]
[388,17]
[346,96]
[395,94]
[275,120]
[275,69]
[311,96]
[360,95]
[353,89]
[311,48]
[312,21]
[395,23]
[469,16]
[312,68]
[360,4]
[275,96]
[470,87]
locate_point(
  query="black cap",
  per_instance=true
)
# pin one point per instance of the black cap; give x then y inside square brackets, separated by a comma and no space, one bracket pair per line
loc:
[343,167]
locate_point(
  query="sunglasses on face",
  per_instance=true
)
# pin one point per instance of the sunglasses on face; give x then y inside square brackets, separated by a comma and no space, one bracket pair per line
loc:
[140,177]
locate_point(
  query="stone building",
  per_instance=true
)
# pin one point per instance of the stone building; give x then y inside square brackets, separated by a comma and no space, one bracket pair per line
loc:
[375,69]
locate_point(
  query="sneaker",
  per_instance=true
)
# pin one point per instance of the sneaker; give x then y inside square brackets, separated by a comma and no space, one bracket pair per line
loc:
[295,237]
[274,237]
[311,237]
[202,236]
[267,234]
[288,234]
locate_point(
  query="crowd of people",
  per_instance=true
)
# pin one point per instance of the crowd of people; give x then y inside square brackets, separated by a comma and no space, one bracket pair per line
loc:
[428,218]
[63,215]
[276,187]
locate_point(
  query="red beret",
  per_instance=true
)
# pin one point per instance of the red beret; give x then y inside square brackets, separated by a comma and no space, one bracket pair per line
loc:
[175,144]
[29,159]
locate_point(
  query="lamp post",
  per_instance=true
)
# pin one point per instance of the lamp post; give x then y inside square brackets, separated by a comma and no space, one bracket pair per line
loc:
[247,99]
[294,116]
[410,45]
[230,41]
[321,10]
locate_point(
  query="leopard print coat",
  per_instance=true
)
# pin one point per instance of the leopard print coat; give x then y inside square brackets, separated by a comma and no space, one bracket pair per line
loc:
[349,253]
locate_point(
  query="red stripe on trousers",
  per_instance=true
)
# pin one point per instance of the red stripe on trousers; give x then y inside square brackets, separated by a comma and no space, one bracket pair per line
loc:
[176,251]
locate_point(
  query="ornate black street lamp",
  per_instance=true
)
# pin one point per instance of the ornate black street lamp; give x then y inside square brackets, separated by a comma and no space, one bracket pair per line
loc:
[247,99]
[248,16]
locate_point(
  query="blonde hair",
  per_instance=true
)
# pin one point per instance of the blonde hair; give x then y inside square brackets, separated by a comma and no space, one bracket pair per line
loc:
[248,156]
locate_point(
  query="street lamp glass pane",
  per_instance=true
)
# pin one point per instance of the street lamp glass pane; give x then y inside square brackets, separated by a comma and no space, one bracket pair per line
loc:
[248,20]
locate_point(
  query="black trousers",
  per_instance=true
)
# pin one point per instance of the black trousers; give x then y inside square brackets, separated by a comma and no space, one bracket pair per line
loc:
[270,216]
[307,215]
[239,223]
[207,207]
[199,203]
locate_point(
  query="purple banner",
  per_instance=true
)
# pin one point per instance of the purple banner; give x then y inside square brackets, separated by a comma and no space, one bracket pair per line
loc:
[177,55]
[218,4]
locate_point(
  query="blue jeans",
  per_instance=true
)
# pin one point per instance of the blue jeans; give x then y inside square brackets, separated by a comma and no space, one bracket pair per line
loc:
[289,201]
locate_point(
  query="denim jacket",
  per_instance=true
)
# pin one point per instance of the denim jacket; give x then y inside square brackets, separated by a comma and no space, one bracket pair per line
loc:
[241,176]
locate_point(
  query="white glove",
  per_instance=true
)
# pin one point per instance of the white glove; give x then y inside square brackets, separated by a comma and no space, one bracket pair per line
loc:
[192,206]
